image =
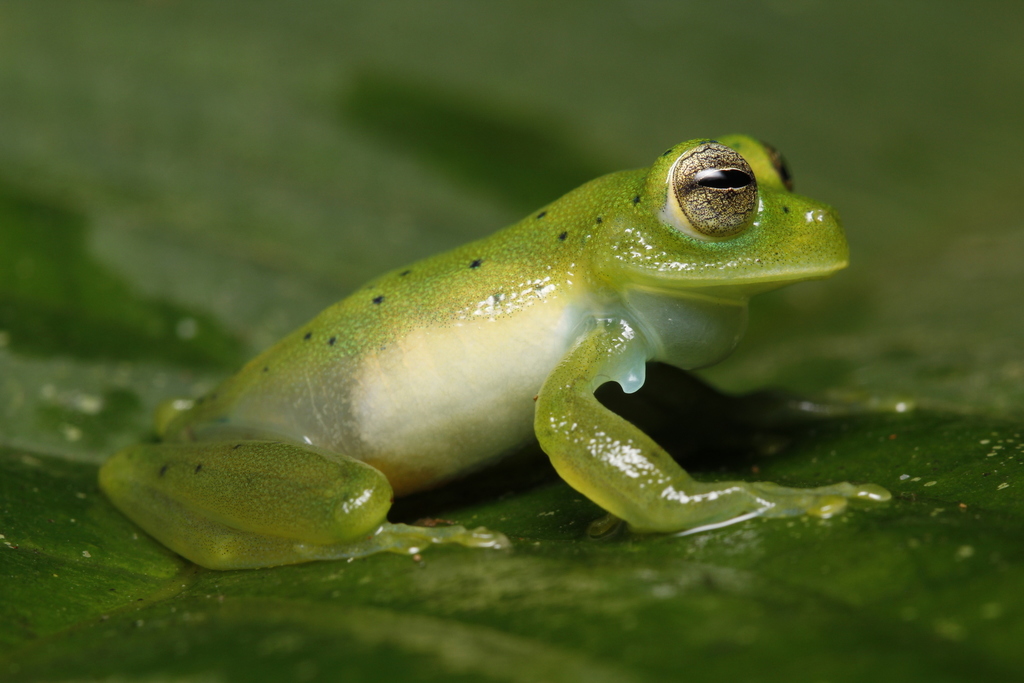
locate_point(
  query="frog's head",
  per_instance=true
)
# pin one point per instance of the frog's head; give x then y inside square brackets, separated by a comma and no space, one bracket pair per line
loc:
[720,216]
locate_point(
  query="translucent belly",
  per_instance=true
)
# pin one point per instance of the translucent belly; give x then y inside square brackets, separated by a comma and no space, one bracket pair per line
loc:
[443,401]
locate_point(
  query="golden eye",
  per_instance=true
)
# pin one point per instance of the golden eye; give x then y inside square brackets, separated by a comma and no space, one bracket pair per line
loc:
[712,192]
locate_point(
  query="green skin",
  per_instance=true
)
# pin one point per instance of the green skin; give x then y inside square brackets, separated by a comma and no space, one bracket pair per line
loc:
[436,369]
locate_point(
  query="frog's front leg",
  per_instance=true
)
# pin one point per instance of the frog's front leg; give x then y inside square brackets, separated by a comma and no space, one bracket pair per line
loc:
[245,504]
[624,471]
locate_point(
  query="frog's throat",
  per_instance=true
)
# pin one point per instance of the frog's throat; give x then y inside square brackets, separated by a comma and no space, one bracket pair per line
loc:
[687,328]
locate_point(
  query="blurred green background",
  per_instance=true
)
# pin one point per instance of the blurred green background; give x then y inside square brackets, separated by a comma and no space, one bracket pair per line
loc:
[183,182]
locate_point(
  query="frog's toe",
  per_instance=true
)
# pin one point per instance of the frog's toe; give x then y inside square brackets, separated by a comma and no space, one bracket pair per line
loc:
[824,501]
[873,493]
[403,538]
[861,492]
[481,537]
[802,503]
[826,506]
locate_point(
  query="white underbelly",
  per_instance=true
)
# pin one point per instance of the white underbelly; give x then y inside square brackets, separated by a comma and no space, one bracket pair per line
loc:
[445,399]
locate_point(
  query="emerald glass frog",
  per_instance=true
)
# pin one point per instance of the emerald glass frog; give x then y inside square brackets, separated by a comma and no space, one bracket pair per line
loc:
[436,369]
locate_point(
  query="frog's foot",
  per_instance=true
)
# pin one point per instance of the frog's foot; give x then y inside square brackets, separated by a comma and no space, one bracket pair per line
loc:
[605,527]
[409,540]
[824,501]
[217,546]
[711,505]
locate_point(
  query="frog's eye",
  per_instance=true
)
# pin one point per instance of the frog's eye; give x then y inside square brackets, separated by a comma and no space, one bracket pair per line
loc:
[712,192]
[780,166]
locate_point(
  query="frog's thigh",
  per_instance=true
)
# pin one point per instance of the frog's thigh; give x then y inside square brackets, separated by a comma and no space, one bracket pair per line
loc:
[246,503]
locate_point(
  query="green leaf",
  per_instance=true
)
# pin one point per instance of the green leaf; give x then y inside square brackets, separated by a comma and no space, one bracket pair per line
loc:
[935,571]
[183,183]
[68,555]
[521,162]
[54,298]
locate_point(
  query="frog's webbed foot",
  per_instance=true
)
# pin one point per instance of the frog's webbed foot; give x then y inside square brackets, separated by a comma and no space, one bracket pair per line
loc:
[408,540]
[740,501]
[700,506]
[703,507]
[824,501]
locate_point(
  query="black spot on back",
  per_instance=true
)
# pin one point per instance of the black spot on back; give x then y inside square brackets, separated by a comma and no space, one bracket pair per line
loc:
[785,209]
[198,467]
[307,336]
[378,299]
[476,263]
[542,214]
[636,199]
[163,470]
[404,273]
[561,238]
[332,340]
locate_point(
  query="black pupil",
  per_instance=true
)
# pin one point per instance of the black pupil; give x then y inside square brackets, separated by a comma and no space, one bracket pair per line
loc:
[723,178]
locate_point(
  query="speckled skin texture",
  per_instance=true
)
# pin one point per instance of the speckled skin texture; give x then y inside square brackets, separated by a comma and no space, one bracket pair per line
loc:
[435,369]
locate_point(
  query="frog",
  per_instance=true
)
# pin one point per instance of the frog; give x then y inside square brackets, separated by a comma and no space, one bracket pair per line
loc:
[439,368]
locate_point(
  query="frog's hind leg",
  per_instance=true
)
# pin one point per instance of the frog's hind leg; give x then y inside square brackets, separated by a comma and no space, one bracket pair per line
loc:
[245,504]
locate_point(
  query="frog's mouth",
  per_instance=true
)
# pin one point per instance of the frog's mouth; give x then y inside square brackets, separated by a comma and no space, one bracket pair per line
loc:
[728,285]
